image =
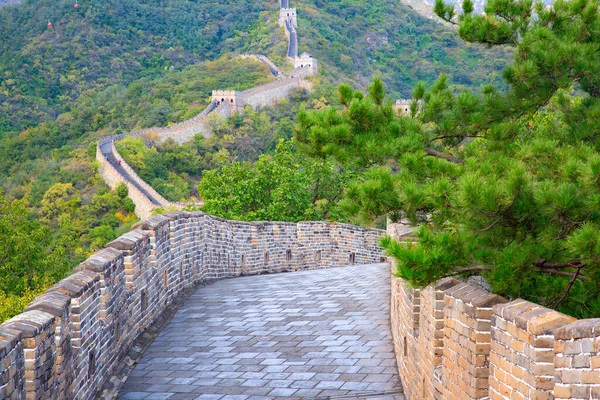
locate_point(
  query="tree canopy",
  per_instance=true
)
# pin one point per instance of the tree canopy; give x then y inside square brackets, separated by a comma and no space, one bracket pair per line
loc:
[284,186]
[502,184]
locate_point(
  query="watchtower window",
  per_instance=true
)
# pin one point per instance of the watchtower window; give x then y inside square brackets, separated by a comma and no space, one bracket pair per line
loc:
[143,301]
[91,364]
[266,258]
[352,258]
[166,277]
[117,332]
[181,270]
[318,255]
[288,255]
[243,259]
[231,101]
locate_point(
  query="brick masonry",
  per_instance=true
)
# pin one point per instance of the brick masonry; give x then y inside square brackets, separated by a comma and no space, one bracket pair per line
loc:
[456,341]
[68,341]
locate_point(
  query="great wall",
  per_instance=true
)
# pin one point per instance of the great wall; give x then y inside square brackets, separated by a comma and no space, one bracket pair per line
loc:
[114,170]
[451,340]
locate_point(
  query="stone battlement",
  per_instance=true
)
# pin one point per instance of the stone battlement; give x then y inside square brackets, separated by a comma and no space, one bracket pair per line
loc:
[456,341]
[69,340]
[288,14]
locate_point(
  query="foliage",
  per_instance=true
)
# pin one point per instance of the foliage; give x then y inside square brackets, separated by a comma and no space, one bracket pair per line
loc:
[10,305]
[117,66]
[40,245]
[43,71]
[355,39]
[285,186]
[500,184]
[22,255]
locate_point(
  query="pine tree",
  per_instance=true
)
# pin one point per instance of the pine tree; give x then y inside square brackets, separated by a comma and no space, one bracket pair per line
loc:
[505,184]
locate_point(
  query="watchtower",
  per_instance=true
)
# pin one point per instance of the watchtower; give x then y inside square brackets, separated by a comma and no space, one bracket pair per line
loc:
[403,106]
[231,97]
[286,14]
[308,62]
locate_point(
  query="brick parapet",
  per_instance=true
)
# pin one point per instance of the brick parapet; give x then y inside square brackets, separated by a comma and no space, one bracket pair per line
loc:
[577,360]
[70,339]
[275,71]
[467,337]
[522,353]
[476,345]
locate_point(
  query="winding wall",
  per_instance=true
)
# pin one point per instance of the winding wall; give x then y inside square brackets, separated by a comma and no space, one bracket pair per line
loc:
[115,170]
[69,340]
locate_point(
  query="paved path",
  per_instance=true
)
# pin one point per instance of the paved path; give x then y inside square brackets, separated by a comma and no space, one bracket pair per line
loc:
[312,335]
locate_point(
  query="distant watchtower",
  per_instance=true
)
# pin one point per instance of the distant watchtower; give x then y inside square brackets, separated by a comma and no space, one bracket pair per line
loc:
[286,14]
[307,62]
[229,97]
[403,106]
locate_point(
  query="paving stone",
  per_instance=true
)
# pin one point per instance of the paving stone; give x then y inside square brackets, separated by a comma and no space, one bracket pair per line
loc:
[282,392]
[329,385]
[159,396]
[308,335]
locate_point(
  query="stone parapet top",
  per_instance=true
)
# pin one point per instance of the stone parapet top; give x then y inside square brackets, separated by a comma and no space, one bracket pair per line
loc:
[76,284]
[532,317]
[585,328]
[474,298]
[54,303]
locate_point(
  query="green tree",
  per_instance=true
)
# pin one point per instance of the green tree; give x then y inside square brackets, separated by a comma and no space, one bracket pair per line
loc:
[285,186]
[23,242]
[500,184]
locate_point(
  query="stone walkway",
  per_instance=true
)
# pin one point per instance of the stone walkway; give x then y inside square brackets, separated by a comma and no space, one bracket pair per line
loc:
[311,335]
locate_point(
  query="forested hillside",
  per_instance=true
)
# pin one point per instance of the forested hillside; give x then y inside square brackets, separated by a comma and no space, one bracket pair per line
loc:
[43,70]
[355,39]
[69,76]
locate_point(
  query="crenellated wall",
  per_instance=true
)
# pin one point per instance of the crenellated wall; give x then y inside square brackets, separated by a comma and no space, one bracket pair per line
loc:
[456,341]
[69,340]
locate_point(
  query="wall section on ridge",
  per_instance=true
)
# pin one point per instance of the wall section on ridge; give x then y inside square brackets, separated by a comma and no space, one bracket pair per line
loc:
[68,341]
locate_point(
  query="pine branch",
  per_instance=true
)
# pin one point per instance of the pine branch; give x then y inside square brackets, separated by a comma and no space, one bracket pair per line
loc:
[452,137]
[433,152]
[546,270]
[564,273]
[569,287]
[569,264]
[467,269]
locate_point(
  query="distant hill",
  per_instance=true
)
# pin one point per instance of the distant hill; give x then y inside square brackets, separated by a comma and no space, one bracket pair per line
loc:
[355,39]
[425,7]
[43,70]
